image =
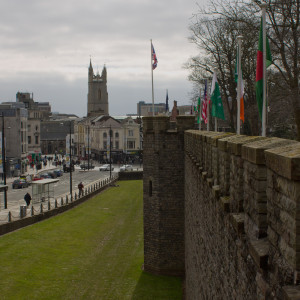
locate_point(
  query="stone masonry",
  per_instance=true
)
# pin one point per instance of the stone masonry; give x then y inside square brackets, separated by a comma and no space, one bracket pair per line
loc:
[224,210]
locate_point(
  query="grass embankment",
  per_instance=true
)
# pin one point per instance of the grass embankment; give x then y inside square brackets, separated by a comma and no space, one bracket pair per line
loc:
[94,251]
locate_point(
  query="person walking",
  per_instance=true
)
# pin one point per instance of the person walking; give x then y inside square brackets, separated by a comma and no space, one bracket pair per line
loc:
[80,187]
[27,199]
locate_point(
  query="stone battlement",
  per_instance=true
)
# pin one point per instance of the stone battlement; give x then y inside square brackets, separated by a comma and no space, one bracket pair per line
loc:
[223,209]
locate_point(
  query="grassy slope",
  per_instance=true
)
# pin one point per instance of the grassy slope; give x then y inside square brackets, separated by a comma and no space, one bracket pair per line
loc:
[94,251]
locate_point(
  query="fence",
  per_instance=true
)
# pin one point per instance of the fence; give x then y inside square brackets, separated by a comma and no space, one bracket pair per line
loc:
[51,208]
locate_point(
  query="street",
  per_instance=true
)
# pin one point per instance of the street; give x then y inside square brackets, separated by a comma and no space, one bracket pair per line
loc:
[16,196]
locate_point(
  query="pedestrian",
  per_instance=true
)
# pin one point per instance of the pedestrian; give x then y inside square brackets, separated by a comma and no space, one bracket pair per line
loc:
[27,198]
[80,187]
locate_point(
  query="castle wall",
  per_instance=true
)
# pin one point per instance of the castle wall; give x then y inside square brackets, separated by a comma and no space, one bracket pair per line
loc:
[241,217]
[222,209]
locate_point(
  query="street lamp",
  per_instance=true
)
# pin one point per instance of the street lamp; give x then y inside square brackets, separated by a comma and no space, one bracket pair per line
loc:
[70,142]
[4,162]
[110,133]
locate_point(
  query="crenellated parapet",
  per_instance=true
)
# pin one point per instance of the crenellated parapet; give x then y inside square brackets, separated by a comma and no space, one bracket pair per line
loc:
[242,220]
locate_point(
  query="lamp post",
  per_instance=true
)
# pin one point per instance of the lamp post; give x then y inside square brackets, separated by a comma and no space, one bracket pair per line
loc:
[70,142]
[88,147]
[4,162]
[110,152]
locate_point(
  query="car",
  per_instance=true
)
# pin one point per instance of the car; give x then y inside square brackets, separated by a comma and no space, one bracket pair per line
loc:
[87,166]
[106,168]
[58,172]
[19,184]
[45,176]
[67,168]
[126,168]
[52,174]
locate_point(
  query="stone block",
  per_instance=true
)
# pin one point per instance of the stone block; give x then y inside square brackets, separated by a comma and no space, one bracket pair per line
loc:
[285,161]
[235,144]
[255,151]
[216,191]
[259,251]
[225,203]
[291,292]
[237,222]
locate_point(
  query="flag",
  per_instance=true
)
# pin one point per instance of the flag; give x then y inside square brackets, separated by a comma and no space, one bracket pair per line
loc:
[242,114]
[198,108]
[259,68]
[217,110]
[204,104]
[167,102]
[154,58]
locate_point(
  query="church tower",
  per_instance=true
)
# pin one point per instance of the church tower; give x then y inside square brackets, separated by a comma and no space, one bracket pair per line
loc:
[97,93]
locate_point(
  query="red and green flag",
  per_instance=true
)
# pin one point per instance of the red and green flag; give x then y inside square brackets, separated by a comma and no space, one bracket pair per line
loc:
[259,69]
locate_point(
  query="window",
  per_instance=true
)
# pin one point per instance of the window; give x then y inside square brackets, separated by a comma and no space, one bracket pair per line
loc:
[29,139]
[130,144]
[105,135]
[130,132]
[117,134]
[99,94]
[117,144]
[36,139]
[29,128]
[104,145]
[36,128]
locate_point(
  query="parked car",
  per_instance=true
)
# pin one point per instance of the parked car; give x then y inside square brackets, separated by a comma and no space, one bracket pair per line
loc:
[87,166]
[45,176]
[19,184]
[58,172]
[126,168]
[106,168]
[52,174]
[35,178]
[67,169]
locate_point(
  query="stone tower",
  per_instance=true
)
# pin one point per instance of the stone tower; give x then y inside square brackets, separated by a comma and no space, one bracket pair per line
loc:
[97,93]
[163,180]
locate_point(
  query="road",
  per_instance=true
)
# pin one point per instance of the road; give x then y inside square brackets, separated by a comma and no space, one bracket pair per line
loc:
[16,196]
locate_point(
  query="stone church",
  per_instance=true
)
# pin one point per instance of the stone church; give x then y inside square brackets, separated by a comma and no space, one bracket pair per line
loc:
[97,93]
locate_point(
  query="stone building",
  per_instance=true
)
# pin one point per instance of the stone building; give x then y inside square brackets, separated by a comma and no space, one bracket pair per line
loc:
[97,93]
[145,109]
[15,117]
[93,139]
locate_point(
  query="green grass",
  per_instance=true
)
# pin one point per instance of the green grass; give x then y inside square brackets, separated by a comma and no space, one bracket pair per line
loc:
[94,251]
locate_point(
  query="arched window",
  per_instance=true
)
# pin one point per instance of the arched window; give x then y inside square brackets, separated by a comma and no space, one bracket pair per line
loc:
[99,94]
[104,135]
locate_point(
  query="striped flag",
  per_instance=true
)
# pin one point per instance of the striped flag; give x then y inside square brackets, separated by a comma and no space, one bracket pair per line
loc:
[204,104]
[154,58]
[242,113]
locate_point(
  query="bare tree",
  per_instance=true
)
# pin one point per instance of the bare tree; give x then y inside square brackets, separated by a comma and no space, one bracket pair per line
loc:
[215,30]
[284,34]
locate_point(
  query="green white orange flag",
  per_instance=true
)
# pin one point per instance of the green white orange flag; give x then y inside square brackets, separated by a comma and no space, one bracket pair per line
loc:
[217,105]
[242,113]
[259,69]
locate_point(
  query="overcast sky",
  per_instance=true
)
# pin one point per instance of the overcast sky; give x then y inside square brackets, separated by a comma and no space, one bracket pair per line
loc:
[46,47]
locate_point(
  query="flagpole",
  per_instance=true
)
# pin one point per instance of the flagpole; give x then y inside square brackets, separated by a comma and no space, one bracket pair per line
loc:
[216,124]
[238,120]
[152,78]
[264,110]
[200,111]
